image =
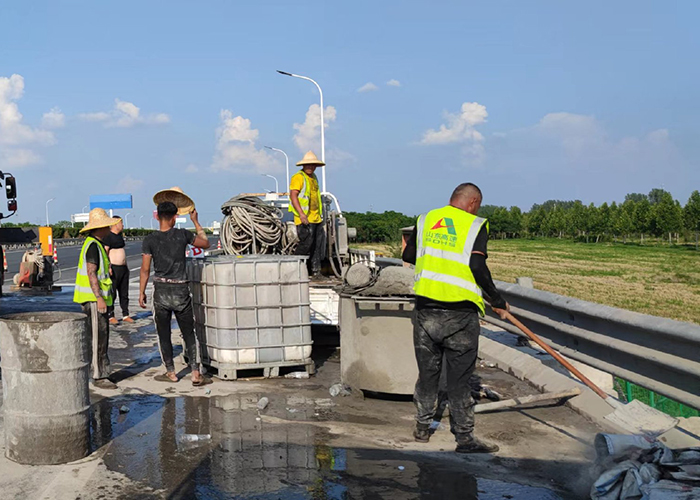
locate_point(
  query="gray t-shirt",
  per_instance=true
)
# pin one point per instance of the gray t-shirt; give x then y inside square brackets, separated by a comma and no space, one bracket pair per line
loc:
[168,249]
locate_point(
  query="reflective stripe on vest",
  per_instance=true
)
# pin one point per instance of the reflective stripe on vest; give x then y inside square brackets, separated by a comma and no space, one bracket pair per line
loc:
[83,291]
[445,240]
[305,195]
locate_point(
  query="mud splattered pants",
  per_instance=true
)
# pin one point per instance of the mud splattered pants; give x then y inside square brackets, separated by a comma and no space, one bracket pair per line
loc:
[99,329]
[169,299]
[453,337]
[312,241]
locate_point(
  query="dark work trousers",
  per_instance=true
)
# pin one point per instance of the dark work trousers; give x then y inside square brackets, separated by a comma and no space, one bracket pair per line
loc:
[452,337]
[169,299]
[120,285]
[312,241]
[99,329]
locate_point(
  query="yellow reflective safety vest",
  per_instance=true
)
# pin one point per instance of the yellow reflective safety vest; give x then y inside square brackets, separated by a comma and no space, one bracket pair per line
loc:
[83,292]
[305,195]
[445,239]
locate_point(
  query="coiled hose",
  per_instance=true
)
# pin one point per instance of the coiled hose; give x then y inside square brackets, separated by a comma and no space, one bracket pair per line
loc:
[252,227]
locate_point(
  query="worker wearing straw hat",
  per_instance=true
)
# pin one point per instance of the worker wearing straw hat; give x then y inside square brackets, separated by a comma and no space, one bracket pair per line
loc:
[166,249]
[93,291]
[307,208]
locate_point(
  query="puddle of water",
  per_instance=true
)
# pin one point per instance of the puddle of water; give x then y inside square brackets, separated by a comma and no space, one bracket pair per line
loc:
[251,459]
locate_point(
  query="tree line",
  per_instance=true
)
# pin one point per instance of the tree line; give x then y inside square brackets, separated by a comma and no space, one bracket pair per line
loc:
[656,214]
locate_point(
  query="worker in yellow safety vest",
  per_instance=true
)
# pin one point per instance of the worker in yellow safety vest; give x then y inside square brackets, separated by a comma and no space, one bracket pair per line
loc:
[93,291]
[448,248]
[306,205]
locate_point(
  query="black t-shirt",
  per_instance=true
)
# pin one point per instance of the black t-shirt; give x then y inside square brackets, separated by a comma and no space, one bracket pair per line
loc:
[168,249]
[114,241]
[92,255]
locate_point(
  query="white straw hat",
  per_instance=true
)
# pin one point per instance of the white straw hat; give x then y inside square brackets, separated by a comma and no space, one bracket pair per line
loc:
[98,219]
[310,159]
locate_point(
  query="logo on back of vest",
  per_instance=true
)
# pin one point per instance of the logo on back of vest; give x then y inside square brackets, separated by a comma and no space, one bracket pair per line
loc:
[445,223]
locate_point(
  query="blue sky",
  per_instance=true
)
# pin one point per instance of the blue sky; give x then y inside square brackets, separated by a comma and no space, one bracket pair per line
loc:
[530,100]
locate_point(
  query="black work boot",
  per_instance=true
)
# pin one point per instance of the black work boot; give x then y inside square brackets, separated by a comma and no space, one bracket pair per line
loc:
[473,445]
[422,433]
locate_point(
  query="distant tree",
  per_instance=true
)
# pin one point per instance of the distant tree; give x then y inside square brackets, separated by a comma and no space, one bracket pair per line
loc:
[624,223]
[576,216]
[592,224]
[486,211]
[499,221]
[642,217]
[515,221]
[63,224]
[656,195]
[604,219]
[667,215]
[636,197]
[536,220]
[691,212]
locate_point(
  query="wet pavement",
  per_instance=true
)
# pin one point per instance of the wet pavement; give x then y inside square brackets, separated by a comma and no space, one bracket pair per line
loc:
[272,454]
[304,444]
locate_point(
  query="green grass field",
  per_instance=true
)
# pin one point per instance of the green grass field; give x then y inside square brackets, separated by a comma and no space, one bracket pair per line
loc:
[658,280]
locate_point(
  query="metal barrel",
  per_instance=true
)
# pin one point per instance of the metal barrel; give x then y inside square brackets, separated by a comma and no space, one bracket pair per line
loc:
[45,359]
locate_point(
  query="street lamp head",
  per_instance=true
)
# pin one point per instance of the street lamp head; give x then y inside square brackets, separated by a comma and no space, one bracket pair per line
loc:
[284,73]
[267,147]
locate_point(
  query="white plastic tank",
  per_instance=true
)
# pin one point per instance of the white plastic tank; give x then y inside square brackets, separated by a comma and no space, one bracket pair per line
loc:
[254,311]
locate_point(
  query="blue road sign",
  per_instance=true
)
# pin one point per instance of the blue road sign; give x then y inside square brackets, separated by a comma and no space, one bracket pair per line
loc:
[110,201]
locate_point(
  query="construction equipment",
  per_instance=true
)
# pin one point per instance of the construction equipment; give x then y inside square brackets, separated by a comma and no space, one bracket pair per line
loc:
[631,417]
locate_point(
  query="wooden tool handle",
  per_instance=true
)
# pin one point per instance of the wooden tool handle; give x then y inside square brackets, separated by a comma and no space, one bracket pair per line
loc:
[557,356]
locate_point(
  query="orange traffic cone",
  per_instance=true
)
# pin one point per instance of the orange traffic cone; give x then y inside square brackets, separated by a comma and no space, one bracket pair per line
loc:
[55,256]
[4,261]
[218,246]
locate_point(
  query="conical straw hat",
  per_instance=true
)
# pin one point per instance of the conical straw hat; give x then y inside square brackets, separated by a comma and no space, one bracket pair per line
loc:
[98,219]
[184,203]
[310,159]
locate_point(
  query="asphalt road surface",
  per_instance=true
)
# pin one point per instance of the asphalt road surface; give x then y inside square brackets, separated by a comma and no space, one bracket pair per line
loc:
[68,262]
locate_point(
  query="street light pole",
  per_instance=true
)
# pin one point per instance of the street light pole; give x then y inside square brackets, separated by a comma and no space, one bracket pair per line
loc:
[277,185]
[126,220]
[85,208]
[140,223]
[286,160]
[323,136]
[151,223]
[47,210]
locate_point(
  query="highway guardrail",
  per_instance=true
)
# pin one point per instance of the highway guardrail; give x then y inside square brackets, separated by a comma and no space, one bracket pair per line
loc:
[660,354]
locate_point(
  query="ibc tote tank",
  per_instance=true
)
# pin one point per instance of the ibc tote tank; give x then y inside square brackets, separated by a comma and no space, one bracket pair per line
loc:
[253,311]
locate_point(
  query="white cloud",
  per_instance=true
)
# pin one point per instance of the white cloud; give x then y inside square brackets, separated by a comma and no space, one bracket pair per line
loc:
[236,150]
[15,135]
[308,135]
[393,83]
[125,114]
[566,143]
[13,157]
[53,119]
[368,87]
[191,169]
[128,185]
[460,128]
